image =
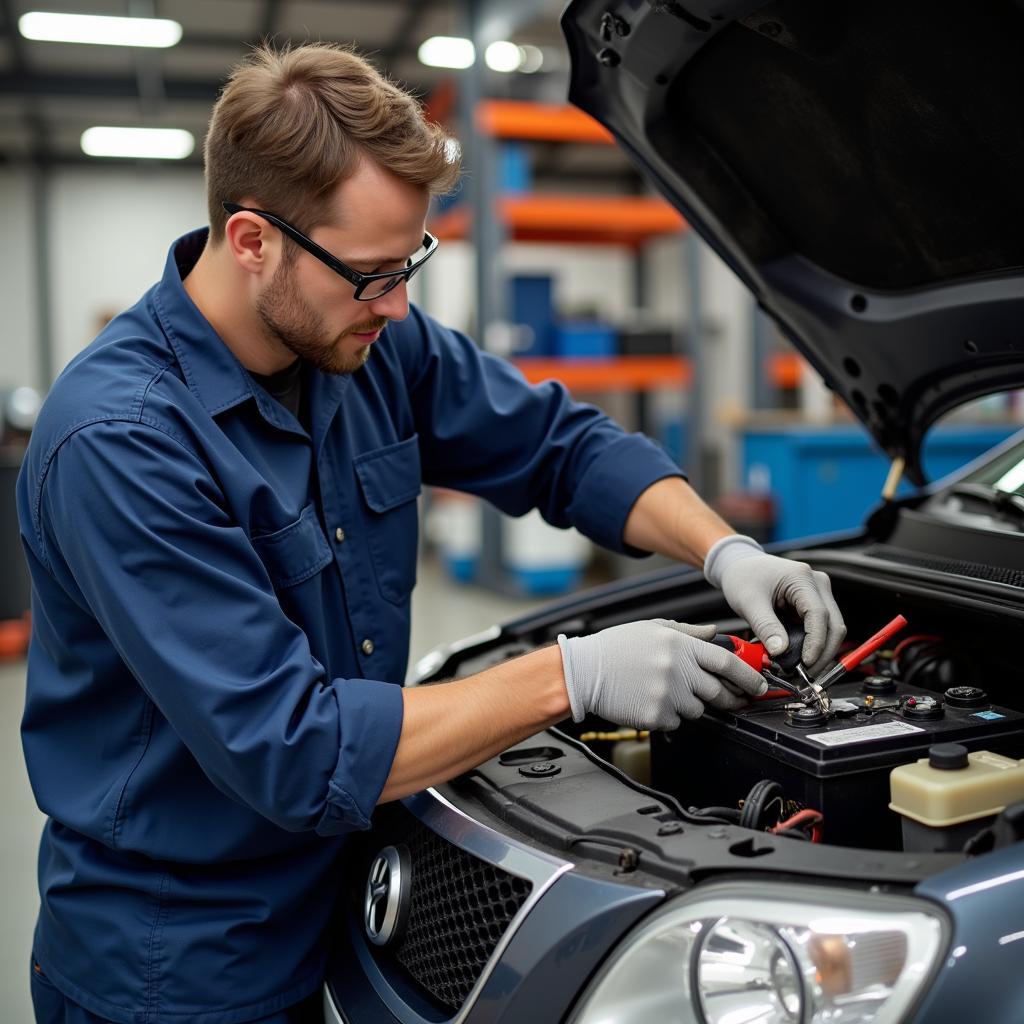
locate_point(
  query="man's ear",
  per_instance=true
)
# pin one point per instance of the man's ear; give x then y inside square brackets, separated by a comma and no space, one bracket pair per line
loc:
[252,242]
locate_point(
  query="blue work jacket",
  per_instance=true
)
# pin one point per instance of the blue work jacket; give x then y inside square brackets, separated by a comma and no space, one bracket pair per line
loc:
[220,618]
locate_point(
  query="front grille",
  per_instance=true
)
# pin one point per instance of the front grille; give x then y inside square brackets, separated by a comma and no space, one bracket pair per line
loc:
[461,907]
[973,570]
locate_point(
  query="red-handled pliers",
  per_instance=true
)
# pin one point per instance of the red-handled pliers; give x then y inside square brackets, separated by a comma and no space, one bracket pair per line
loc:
[755,655]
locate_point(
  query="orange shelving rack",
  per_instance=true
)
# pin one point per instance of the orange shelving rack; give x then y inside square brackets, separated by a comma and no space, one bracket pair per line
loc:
[592,219]
[620,373]
[539,122]
[617,220]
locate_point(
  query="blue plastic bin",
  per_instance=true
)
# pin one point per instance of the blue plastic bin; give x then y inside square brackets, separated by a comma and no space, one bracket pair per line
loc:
[585,338]
[514,171]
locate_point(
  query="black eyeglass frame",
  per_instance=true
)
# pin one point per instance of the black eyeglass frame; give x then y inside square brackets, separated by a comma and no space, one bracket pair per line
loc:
[359,281]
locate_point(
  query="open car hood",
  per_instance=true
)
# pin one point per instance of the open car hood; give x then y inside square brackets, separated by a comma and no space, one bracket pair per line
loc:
[859,165]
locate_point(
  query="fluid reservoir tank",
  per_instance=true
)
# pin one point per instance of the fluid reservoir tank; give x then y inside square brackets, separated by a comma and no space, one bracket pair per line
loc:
[947,797]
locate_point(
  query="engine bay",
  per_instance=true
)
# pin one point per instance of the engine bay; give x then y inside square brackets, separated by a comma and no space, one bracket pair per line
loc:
[826,774]
[795,770]
[947,682]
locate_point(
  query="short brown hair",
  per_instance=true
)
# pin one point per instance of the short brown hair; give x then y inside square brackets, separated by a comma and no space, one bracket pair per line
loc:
[291,124]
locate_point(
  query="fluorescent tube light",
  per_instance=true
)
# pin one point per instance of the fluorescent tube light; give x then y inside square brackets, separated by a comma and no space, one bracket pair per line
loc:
[447,52]
[94,28]
[146,143]
[503,56]
[532,59]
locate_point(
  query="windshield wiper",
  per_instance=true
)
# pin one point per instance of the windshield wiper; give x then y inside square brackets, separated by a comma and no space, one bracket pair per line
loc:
[1008,503]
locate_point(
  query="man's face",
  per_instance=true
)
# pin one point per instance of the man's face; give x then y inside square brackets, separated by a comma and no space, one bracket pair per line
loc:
[309,309]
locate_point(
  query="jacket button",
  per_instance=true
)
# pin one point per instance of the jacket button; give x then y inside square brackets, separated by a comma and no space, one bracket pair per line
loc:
[339,535]
[367,646]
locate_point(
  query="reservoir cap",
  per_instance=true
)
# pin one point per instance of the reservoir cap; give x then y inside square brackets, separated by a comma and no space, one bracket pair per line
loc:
[947,756]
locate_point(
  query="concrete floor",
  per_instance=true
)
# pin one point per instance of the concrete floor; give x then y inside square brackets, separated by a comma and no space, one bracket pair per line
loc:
[442,611]
[19,837]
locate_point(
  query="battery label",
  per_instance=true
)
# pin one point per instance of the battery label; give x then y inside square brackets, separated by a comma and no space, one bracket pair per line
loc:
[864,733]
[989,716]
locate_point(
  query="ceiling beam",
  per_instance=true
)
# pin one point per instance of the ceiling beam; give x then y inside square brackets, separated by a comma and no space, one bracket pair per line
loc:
[32,119]
[271,16]
[149,79]
[63,86]
[71,159]
[17,44]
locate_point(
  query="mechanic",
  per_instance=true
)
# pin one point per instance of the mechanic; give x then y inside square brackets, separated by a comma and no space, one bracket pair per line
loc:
[219,512]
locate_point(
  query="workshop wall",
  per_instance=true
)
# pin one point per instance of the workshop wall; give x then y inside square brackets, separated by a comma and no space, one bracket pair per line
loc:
[18,358]
[109,234]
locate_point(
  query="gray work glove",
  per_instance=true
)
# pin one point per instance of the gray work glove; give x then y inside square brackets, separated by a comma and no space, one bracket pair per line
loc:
[649,675]
[758,586]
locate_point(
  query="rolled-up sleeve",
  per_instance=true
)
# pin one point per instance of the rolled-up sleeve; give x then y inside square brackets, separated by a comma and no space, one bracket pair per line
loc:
[134,526]
[485,430]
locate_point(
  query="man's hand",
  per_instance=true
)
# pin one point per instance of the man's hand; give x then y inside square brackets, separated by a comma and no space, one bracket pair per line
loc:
[649,675]
[758,585]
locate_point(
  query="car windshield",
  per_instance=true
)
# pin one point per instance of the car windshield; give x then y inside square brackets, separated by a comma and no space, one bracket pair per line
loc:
[1003,473]
[990,496]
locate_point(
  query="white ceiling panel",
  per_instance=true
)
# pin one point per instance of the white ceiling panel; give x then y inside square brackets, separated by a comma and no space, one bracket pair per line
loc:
[71,58]
[13,140]
[91,111]
[543,29]
[240,18]
[439,20]
[412,73]
[205,64]
[369,24]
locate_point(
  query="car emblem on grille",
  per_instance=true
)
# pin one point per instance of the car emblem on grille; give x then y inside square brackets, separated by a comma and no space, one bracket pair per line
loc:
[388,892]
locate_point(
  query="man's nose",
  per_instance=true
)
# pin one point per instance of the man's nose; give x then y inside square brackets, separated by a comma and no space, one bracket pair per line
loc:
[393,304]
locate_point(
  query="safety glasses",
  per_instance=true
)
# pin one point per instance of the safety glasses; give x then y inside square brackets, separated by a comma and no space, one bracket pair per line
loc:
[367,286]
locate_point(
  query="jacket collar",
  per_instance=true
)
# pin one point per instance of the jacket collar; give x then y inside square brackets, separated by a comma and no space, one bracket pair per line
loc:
[212,371]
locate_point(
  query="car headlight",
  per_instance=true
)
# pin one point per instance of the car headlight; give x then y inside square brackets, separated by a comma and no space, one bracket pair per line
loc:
[770,954]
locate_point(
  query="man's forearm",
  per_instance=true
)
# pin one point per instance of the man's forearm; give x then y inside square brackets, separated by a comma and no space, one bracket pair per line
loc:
[452,727]
[671,519]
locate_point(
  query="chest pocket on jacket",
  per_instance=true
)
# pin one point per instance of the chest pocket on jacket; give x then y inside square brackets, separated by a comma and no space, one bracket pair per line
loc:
[390,481]
[295,553]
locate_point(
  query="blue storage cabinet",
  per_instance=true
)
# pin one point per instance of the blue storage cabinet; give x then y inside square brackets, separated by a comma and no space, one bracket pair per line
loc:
[532,304]
[824,479]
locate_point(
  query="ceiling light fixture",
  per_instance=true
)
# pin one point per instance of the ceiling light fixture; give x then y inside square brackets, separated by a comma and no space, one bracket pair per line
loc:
[532,59]
[447,52]
[98,29]
[503,56]
[144,143]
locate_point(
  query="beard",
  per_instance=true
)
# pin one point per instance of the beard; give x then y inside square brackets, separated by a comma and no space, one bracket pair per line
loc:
[289,319]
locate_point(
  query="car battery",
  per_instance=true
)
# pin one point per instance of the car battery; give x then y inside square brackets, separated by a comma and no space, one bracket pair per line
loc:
[837,765]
